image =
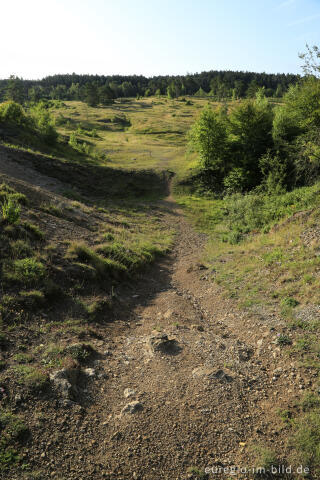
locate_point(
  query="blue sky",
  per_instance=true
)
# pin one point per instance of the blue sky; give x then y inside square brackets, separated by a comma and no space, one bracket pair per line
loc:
[44,37]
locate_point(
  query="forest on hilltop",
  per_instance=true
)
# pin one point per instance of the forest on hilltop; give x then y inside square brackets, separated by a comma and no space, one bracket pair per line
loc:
[102,89]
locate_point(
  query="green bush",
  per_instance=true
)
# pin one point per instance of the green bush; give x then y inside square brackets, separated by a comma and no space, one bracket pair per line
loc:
[208,137]
[236,181]
[12,113]
[259,212]
[44,123]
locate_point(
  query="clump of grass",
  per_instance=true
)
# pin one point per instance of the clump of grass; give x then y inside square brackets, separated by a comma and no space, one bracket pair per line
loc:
[7,193]
[52,209]
[3,340]
[309,401]
[283,340]
[20,249]
[52,291]
[72,194]
[139,254]
[306,439]
[31,299]
[265,458]
[10,211]
[289,302]
[197,473]
[118,252]
[104,267]
[26,271]
[34,230]
[12,431]
[285,415]
[23,358]
[83,271]
[31,377]
[287,305]
[98,308]
[108,237]
[52,356]
[79,351]
[121,120]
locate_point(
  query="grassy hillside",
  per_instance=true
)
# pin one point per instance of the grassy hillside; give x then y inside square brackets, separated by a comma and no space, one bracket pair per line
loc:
[264,253]
[139,134]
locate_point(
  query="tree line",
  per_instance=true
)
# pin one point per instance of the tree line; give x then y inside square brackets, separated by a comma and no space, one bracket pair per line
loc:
[101,89]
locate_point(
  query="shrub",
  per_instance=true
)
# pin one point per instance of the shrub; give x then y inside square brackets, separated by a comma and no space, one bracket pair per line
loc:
[12,113]
[73,140]
[235,181]
[108,237]
[209,137]
[254,211]
[122,120]
[229,146]
[44,123]
[299,112]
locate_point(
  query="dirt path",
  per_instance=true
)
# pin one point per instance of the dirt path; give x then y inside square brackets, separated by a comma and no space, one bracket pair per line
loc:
[184,380]
[162,408]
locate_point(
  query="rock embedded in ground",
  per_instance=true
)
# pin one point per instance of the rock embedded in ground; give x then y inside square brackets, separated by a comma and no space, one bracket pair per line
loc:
[162,344]
[198,327]
[65,382]
[245,353]
[128,392]
[204,371]
[132,407]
